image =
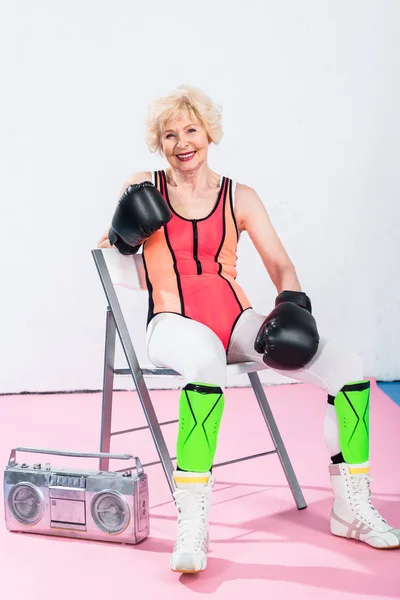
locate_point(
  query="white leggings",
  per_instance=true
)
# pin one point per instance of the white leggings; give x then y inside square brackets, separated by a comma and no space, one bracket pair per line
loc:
[195,351]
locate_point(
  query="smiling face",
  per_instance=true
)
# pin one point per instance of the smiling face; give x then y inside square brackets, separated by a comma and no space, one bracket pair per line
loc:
[184,143]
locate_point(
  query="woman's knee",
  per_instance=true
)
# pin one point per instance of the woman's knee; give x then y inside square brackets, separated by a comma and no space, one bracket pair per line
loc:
[206,363]
[338,366]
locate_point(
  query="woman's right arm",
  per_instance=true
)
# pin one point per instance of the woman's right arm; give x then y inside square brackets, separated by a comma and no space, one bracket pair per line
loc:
[138,177]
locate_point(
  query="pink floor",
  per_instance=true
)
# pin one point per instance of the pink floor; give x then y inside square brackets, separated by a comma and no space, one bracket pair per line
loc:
[261,545]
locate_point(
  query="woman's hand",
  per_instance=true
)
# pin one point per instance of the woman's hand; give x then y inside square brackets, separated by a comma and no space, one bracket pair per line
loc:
[288,338]
[135,178]
[104,242]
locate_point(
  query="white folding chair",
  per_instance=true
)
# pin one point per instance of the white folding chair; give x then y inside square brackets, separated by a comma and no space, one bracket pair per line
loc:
[116,269]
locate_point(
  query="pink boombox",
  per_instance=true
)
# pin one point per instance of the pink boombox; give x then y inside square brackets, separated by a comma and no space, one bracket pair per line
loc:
[97,505]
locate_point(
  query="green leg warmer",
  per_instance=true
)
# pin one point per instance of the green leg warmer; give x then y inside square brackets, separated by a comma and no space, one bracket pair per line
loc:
[352,411]
[200,412]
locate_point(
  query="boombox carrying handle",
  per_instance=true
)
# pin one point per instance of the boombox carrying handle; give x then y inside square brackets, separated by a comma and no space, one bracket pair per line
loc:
[12,460]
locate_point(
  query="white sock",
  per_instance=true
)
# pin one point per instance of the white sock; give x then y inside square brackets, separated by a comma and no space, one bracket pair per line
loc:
[331,430]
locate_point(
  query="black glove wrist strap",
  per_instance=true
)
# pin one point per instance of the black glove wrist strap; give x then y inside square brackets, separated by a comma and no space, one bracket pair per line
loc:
[299,298]
[122,246]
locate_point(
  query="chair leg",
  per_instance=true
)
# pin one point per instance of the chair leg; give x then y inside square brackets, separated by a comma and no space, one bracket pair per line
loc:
[108,384]
[147,406]
[277,440]
[148,410]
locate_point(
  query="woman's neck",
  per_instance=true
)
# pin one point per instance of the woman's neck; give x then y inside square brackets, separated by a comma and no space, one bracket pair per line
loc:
[202,178]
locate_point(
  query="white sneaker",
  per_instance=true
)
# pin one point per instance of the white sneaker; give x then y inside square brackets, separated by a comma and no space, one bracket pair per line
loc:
[353,515]
[193,498]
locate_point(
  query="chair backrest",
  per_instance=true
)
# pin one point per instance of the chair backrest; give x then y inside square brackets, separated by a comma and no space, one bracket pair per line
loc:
[128,281]
[125,271]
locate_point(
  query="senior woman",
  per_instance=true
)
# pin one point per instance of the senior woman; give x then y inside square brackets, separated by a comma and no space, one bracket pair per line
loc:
[188,219]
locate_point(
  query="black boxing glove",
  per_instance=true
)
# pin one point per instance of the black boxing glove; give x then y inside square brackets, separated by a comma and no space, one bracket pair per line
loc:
[288,338]
[122,246]
[141,211]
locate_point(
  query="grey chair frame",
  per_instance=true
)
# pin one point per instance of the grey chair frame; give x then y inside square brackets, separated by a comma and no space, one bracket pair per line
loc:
[115,322]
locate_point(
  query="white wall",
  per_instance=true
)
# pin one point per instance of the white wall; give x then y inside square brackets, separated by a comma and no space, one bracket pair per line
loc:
[311,100]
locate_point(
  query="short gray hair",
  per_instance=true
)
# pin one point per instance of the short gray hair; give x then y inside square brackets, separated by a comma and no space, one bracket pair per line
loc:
[185,99]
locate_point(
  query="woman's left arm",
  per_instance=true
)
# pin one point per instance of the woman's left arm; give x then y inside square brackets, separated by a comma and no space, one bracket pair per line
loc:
[251,216]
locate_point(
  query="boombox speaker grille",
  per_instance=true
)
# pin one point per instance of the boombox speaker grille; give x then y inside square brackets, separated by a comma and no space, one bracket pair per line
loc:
[26,503]
[110,511]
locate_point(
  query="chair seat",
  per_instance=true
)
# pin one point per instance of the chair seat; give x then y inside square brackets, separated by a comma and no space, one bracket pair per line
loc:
[233,369]
[245,367]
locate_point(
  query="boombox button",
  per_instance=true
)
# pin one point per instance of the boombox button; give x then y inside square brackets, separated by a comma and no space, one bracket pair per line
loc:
[24,466]
[37,466]
[127,474]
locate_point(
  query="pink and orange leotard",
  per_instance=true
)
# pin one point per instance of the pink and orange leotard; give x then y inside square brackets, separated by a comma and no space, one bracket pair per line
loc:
[191,265]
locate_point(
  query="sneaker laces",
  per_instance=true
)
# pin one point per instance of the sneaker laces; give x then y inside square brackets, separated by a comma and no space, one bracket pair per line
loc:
[362,499]
[192,508]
